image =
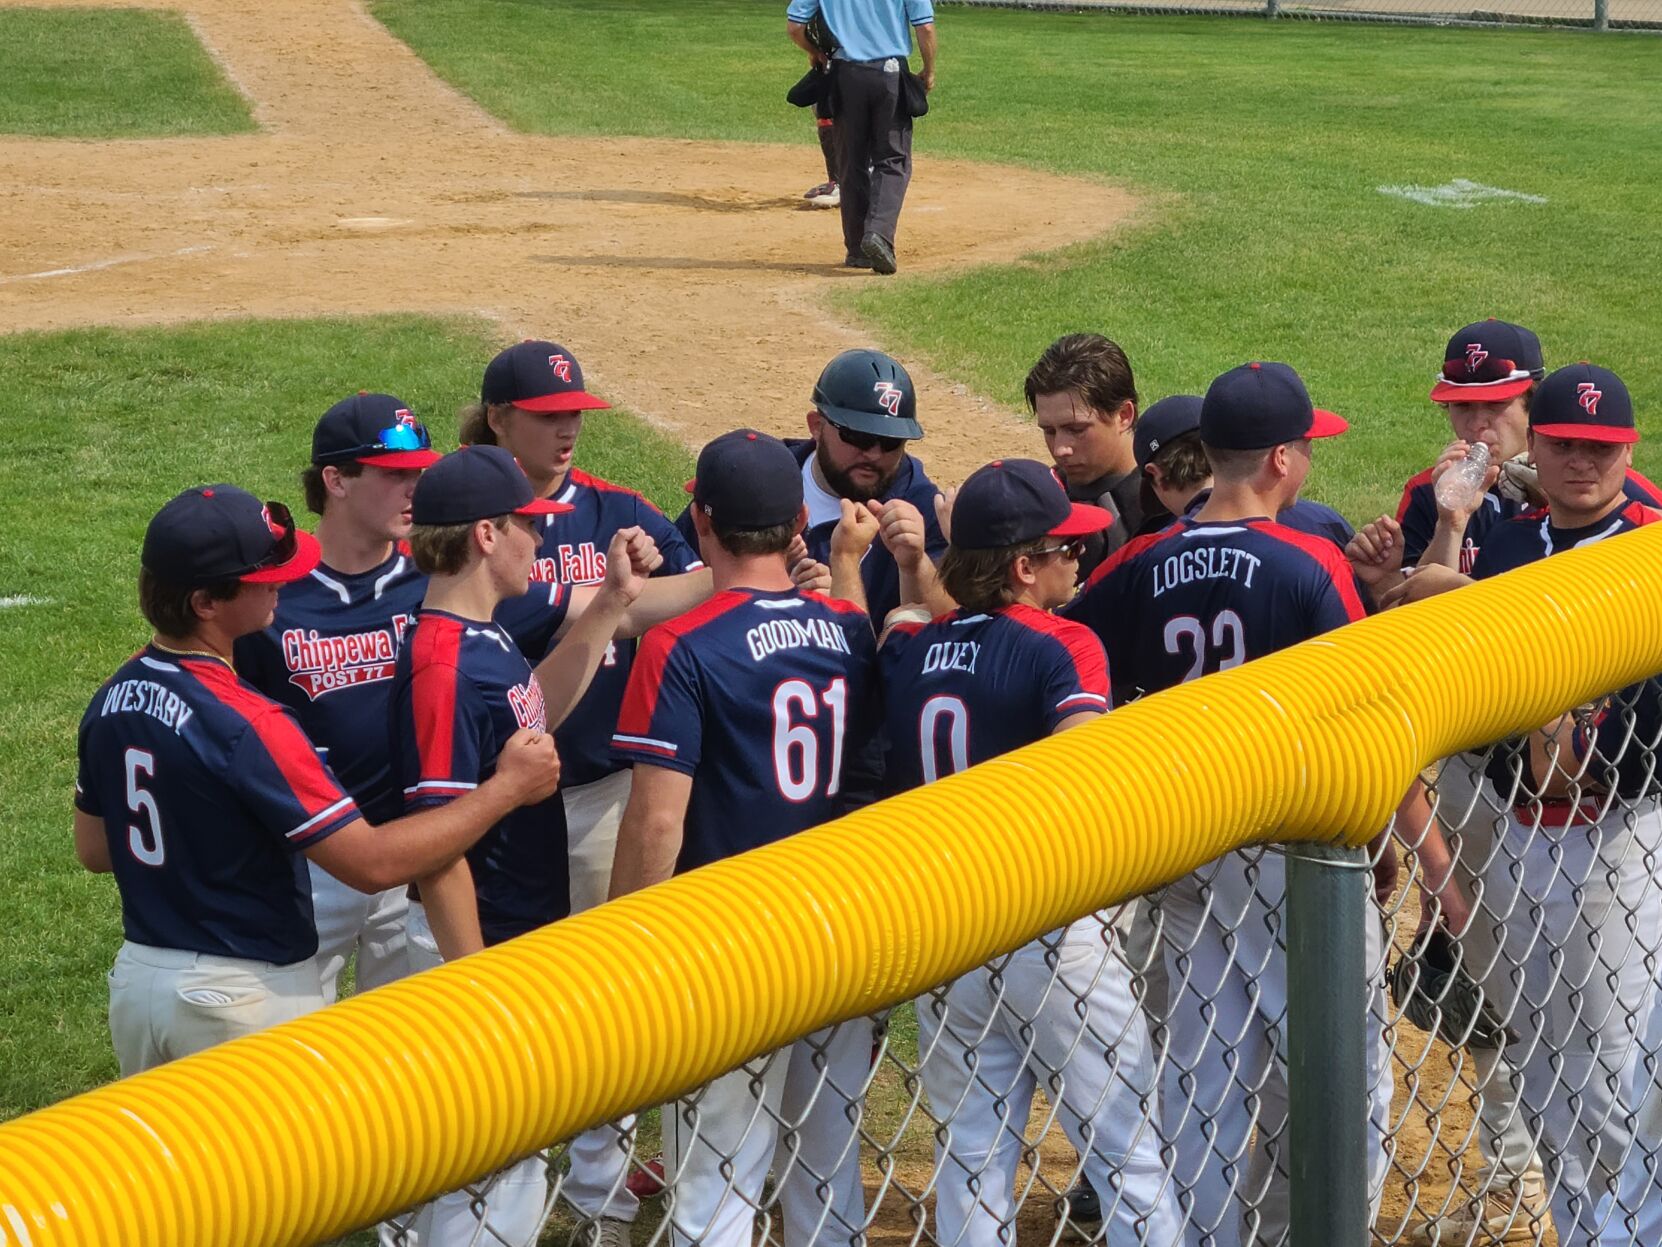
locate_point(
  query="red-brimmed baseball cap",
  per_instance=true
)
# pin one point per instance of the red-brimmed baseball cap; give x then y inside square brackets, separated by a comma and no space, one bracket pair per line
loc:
[215,534]
[1259,405]
[1489,362]
[538,376]
[376,429]
[1584,402]
[477,483]
[1010,501]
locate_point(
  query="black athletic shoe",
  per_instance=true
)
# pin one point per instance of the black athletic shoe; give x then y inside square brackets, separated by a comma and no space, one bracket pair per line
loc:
[879,251]
[1084,1209]
[856,261]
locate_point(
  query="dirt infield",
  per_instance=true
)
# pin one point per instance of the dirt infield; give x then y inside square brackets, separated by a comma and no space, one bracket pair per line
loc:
[689,277]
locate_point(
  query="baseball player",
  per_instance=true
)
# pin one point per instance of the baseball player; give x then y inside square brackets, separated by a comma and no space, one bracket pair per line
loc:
[738,721]
[1214,590]
[998,673]
[329,650]
[864,413]
[532,403]
[1567,921]
[461,688]
[201,795]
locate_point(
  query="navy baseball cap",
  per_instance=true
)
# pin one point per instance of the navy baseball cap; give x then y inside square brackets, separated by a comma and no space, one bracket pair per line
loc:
[1010,501]
[1259,405]
[538,376]
[1585,402]
[477,483]
[747,480]
[1488,362]
[1167,419]
[376,429]
[218,533]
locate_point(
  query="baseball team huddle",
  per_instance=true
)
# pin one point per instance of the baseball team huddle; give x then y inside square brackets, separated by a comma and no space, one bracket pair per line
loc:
[492,690]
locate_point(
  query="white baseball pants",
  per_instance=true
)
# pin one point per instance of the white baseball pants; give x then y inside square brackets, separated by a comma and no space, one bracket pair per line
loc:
[599,1158]
[166,1003]
[1225,1095]
[1059,1013]
[797,1108]
[349,921]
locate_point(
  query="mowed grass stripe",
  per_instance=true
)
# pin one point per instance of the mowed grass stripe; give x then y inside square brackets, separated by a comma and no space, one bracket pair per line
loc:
[104,426]
[1260,147]
[110,73]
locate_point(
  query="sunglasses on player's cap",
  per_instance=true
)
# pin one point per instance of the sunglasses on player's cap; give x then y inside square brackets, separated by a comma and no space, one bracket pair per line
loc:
[214,534]
[1259,405]
[747,481]
[1011,501]
[1488,362]
[538,376]
[477,483]
[376,429]
[1583,402]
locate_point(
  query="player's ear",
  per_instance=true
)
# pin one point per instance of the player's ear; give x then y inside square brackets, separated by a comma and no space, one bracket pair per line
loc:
[1125,415]
[802,518]
[496,418]
[485,535]
[815,423]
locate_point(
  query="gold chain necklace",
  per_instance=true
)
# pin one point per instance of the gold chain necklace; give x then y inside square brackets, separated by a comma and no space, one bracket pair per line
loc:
[191,653]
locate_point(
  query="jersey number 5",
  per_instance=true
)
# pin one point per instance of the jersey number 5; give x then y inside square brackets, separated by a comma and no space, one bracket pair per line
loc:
[1228,642]
[796,744]
[147,848]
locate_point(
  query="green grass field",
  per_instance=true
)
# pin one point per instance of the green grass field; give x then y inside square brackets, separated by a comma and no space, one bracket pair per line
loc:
[110,73]
[1260,146]
[104,427]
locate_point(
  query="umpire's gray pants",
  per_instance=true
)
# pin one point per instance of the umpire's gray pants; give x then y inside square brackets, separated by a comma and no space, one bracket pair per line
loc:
[875,144]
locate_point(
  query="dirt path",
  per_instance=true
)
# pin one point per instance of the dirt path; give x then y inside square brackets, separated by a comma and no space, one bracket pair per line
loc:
[688,276]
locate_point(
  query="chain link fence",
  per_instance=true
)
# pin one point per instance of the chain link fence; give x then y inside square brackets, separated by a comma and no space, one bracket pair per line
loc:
[1124,1080]
[1585,14]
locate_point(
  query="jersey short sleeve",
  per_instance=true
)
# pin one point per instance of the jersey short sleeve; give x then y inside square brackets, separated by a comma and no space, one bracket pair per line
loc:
[277,773]
[1417,513]
[450,723]
[920,12]
[679,556]
[800,11]
[661,722]
[1074,675]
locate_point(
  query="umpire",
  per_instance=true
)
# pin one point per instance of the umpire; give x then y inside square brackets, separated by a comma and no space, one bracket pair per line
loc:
[874,98]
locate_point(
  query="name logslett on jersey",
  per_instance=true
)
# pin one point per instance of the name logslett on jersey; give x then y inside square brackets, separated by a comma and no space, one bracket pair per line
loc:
[1204,563]
[777,634]
[324,664]
[528,706]
[571,565]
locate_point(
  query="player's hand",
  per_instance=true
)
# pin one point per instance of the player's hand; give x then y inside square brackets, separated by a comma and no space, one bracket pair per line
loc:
[811,576]
[1452,454]
[1375,552]
[943,510]
[928,78]
[855,532]
[630,561]
[900,525]
[529,766]
[1426,582]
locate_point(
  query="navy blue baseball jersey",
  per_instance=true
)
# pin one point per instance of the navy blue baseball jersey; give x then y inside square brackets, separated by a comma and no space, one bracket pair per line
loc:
[461,690]
[967,687]
[208,791]
[573,552]
[1417,513]
[761,697]
[1625,747]
[1204,597]
[328,656]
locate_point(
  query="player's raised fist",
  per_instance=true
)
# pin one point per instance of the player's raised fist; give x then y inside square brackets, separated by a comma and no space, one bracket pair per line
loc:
[901,528]
[631,559]
[1375,552]
[943,510]
[530,765]
[855,532]
[811,576]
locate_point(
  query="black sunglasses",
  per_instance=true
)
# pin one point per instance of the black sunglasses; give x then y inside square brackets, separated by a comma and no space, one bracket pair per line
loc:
[865,441]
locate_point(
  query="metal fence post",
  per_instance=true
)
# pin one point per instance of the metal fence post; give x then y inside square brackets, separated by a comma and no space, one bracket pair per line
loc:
[1327,1001]
[1272,8]
[1601,14]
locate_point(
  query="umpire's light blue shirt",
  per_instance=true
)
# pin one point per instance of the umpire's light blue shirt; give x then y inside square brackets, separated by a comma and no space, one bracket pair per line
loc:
[867,30]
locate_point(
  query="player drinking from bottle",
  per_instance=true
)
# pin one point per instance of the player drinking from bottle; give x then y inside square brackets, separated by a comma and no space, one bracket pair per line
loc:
[998,673]
[201,796]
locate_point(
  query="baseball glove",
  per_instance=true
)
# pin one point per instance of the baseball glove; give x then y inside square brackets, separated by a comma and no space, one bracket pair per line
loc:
[1435,993]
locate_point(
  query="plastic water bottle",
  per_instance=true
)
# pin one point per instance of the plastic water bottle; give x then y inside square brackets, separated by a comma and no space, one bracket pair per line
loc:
[1458,487]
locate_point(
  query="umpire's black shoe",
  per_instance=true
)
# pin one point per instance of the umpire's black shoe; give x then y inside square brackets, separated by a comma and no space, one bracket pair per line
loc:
[856,261]
[880,251]
[1084,1209]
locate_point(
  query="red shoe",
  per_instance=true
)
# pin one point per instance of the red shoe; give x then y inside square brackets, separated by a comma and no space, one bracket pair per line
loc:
[647,1182]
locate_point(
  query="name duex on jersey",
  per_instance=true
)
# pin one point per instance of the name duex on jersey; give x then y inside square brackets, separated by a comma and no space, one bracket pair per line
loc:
[573,552]
[460,691]
[968,687]
[329,656]
[761,697]
[1197,598]
[208,792]
[1417,513]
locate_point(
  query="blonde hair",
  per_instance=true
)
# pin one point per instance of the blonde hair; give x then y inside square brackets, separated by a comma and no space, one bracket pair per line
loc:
[443,549]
